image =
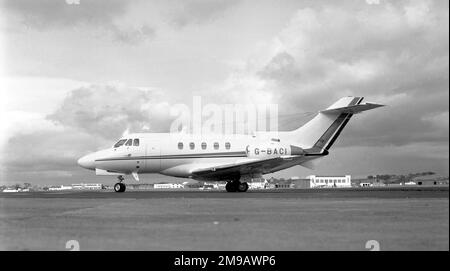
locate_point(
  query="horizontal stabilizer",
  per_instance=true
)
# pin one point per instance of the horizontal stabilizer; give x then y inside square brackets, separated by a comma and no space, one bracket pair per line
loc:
[352,109]
[319,134]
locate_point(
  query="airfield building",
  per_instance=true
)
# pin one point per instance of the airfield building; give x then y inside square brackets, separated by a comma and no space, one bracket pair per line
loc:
[433,179]
[87,186]
[167,185]
[60,187]
[301,183]
[330,181]
[140,186]
[257,185]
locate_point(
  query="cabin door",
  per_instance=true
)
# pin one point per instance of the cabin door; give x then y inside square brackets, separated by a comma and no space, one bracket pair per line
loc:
[153,157]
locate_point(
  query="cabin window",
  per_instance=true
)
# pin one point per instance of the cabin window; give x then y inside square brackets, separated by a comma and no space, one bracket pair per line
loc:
[216,146]
[191,145]
[204,145]
[227,145]
[129,142]
[136,142]
[119,143]
[180,145]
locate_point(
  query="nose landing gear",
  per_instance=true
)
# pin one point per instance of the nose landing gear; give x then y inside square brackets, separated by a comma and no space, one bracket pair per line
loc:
[120,186]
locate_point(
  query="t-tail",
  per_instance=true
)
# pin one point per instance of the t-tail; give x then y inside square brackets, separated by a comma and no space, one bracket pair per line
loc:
[318,135]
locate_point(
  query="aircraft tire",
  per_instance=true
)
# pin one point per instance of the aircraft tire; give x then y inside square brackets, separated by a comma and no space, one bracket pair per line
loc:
[242,187]
[231,186]
[119,187]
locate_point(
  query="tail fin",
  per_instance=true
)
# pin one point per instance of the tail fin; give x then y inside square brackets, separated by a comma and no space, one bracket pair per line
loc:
[318,135]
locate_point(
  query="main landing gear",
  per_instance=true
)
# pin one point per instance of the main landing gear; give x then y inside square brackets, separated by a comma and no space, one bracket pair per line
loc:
[120,186]
[236,186]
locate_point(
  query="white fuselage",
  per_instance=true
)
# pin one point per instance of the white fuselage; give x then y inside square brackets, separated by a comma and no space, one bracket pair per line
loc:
[178,154]
[225,157]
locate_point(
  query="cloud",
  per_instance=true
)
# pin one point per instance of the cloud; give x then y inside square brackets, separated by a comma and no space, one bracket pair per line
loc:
[282,67]
[133,35]
[392,54]
[24,93]
[91,117]
[22,122]
[106,110]
[199,11]
[373,2]
[46,156]
[418,13]
[103,16]
[379,160]
[51,13]
[48,150]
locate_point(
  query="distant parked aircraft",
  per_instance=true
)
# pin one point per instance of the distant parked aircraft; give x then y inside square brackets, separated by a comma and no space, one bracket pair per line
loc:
[235,159]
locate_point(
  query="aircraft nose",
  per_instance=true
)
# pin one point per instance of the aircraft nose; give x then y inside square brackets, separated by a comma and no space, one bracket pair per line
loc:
[87,161]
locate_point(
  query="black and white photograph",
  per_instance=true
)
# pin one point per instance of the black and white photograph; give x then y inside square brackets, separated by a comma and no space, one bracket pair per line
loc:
[248,127]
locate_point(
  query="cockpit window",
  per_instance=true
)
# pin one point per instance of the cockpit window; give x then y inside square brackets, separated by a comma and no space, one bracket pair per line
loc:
[129,142]
[119,143]
[136,142]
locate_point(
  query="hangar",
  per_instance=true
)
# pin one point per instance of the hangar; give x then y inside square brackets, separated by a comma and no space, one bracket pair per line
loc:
[314,181]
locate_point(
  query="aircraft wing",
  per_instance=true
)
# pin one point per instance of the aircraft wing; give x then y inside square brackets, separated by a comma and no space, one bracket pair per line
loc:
[240,168]
[261,166]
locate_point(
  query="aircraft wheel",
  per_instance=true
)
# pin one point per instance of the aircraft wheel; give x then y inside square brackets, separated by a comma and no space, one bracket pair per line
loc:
[231,187]
[119,187]
[242,187]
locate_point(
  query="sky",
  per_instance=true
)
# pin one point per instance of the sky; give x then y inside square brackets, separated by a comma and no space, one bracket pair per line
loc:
[75,75]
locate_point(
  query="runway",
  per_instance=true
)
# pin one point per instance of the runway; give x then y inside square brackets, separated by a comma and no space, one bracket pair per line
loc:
[372,192]
[402,218]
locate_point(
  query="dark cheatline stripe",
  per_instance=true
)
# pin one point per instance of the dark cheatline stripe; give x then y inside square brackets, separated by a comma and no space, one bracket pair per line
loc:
[355,101]
[341,128]
[338,132]
[320,144]
[335,128]
[178,156]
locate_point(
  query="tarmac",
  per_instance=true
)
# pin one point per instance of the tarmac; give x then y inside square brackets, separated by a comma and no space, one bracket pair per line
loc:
[402,218]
